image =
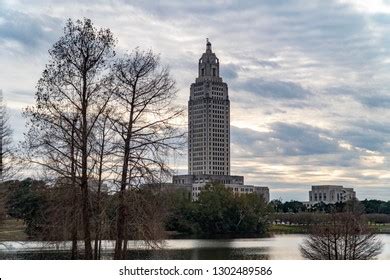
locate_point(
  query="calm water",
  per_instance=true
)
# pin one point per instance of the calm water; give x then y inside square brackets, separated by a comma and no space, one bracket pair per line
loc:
[279,247]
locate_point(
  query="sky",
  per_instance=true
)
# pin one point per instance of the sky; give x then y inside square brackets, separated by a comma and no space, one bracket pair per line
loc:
[308,80]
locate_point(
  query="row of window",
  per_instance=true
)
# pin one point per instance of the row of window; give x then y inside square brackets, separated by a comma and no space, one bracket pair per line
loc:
[214,94]
[323,197]
[217,94]
[196,190]
[219,127]
[200,169]
[219,149]
[203,113]
[198,87]
[248,190]
[212,131]
[220,107]
[201,123]
[196,157]
[210,101]
[221,152]
[212,117]
[218,140]
[219,111]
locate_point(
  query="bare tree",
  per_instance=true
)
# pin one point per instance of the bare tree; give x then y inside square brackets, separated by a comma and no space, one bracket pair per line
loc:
[343,236]
[94,121]
[144,125]
[73,93]
[103,154]
[51,142]
[147,212]
[6,152]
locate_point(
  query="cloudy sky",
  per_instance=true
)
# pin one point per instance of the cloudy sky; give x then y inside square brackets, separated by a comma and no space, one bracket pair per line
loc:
[308,80]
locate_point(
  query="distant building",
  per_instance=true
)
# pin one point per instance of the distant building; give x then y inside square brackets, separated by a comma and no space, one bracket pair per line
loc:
[207,178]
[183,190]
[261,191]
[330,194]
[236,183]
[93,184]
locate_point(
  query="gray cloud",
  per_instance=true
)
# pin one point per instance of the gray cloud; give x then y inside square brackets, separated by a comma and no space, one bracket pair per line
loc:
[230,71]
[323,29]
[370,135]
[29,31]
[268,64]
[285,140]
[273,89]
[376,101]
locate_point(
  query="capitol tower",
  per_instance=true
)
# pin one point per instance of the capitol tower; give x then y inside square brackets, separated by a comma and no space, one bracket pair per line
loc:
[209,134]
[209,120]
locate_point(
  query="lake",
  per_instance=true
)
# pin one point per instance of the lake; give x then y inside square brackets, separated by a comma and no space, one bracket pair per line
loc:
[278,247]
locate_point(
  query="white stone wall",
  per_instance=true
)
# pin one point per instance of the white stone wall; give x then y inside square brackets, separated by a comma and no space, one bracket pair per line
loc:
[330,194]
[197,188]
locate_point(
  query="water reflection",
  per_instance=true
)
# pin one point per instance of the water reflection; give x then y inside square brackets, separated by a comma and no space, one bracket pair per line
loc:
[278,247]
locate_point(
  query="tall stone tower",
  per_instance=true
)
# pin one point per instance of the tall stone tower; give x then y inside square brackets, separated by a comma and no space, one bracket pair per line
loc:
[209,135]
[209,120]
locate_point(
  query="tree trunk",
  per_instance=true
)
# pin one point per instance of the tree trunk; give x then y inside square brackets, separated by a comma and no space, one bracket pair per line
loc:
[84,171]
[120,226]
[121,218]
[98,218]
[74,198]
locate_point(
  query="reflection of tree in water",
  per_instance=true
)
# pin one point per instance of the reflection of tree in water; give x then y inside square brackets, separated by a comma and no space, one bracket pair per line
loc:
[343,236]
[211,253]
[200,254]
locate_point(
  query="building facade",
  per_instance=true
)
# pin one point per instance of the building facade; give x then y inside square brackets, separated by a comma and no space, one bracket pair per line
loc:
[209,120]
[330,194]
[261,192]
[207,178]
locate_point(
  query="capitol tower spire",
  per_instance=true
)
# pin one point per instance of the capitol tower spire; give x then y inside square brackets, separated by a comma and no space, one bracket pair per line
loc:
[209,119]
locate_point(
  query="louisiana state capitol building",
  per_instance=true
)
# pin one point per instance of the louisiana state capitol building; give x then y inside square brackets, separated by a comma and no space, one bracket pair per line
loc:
[209,120]
[209,133]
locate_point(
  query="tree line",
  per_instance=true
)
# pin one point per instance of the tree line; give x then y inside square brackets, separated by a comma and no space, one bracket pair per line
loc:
[341,234]
[153,213]
[370,206]
[296,213]
[219,211]
[47,212]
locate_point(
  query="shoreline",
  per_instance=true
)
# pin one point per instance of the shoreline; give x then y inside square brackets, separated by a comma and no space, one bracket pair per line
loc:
[13,230]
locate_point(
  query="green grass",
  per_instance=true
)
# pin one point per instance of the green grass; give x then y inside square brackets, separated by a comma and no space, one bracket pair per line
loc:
[381,228]
[12,230]
[288,229]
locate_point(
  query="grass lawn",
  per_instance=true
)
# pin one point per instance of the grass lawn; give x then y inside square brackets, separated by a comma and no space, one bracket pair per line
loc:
[381,228]
[12,230]
[288,229]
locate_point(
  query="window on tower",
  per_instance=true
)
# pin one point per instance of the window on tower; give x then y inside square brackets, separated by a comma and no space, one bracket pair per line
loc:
[202,72]
[214,72]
